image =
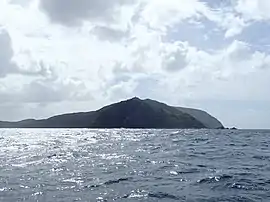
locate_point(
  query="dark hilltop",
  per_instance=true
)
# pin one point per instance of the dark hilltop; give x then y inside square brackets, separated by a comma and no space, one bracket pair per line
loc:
[132,113]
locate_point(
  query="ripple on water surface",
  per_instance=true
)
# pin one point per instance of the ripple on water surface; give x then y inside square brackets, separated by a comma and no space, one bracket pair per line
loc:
[134,165]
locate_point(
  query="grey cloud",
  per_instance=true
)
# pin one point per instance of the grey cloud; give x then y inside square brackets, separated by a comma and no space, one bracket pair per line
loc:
[45,91]
[6,54]
[110,34]
[71,12]
[8,66]
[219,4]
[40,69]
[49,91]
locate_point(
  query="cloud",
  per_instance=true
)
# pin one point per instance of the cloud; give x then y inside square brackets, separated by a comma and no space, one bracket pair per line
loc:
[196,53]
[7,66]
[174,57]
[233,24]
[45,91]
[168,15]
[70,12]
[254,10]
[231,73]
[106,33]
[21,2]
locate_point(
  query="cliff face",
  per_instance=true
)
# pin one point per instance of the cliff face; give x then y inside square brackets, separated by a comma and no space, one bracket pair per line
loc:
[132,113]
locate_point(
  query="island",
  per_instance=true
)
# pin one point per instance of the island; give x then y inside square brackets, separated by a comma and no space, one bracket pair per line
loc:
[131,113]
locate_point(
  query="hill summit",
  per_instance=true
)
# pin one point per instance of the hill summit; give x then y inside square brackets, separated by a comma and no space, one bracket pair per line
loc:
[131,113]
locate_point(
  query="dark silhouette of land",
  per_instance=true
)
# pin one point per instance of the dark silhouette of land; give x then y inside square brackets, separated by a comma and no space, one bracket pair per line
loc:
[132,113]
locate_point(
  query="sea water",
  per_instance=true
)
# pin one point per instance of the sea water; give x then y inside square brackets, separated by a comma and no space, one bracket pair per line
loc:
[134,165]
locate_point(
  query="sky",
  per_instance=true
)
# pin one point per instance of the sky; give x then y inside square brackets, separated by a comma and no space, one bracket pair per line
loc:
[59,56]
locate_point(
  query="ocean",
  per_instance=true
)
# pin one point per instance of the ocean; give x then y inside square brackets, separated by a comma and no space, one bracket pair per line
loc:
[63,165]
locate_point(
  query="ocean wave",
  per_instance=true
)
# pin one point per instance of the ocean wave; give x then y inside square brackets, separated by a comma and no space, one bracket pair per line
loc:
[134,165]
[163,195]
[212,179]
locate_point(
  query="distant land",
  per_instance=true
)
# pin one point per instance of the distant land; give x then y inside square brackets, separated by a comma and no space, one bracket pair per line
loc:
[131,113]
